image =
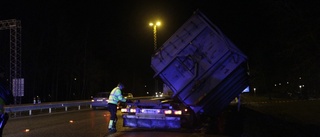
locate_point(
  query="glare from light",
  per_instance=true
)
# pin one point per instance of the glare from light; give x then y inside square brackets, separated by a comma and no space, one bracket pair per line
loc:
[27,130]
[71,121]
[158,23]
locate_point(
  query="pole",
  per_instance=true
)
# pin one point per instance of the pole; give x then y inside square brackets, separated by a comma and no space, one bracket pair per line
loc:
[155,37]
[155,46]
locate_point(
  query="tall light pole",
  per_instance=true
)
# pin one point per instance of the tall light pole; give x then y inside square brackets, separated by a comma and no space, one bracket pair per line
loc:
[154,25]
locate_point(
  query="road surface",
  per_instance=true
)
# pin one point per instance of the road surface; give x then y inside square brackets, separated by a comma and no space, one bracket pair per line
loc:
[83,123]
[256,118]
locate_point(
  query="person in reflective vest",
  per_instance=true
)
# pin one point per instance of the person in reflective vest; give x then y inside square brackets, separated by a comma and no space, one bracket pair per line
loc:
[6,98]
[114,97]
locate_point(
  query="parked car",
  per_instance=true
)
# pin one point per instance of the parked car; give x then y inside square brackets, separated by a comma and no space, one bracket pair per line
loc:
[100,100]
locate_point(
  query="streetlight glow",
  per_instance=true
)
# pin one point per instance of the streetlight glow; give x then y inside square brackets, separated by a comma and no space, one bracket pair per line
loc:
[158,23]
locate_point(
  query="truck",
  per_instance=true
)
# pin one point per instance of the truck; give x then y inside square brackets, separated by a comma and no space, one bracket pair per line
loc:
[204,71]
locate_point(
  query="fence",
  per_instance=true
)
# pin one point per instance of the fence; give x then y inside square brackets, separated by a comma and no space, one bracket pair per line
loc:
[46,108]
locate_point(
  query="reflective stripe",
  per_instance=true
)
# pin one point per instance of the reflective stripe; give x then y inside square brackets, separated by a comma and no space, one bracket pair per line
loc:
[116,96]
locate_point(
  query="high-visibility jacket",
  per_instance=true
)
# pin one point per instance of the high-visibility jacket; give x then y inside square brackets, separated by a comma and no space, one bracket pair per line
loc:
[116,96]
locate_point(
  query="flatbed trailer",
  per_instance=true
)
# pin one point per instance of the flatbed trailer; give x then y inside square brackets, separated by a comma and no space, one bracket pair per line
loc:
[203,69]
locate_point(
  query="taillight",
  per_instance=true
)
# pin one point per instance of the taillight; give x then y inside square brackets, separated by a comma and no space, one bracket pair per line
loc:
[132,110]
[124,110]
[173,112]
[178,112]
[168,112]
[128,110]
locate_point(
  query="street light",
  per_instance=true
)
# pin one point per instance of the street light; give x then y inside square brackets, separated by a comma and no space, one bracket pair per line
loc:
[155,33]
[155,45]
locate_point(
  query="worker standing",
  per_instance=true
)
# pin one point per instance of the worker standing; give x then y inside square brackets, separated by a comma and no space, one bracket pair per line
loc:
[114,98]
[5,99]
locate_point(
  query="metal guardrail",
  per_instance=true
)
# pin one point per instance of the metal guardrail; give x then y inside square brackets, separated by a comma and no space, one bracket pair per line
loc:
[47,107]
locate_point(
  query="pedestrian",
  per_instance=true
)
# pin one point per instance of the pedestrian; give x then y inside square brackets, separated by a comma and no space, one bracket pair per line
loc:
[6,98]
[114,97]
[34,100]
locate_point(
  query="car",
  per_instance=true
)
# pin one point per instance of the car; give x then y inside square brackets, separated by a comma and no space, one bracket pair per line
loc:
[100,100]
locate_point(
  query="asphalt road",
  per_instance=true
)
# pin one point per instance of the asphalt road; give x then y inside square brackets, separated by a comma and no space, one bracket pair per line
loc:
[83,123]
[255,119]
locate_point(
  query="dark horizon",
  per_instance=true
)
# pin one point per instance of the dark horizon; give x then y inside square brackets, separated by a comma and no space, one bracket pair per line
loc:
[102,43]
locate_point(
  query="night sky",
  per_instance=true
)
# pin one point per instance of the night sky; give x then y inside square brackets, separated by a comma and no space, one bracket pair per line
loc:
[101,43]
